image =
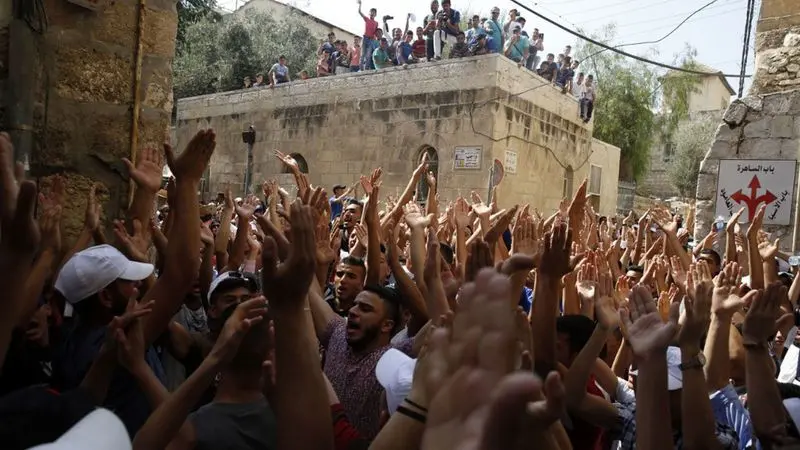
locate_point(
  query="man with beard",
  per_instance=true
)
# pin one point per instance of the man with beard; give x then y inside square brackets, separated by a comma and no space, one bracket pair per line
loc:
[353,348]
[98,282]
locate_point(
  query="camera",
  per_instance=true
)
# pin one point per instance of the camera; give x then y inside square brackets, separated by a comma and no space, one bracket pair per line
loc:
[387,18]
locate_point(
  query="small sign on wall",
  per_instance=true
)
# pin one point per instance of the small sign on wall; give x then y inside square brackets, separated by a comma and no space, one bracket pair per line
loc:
[511,162]
[467,158]
[750,183]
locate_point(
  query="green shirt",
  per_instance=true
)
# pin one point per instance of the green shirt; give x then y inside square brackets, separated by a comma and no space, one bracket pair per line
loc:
[381,58]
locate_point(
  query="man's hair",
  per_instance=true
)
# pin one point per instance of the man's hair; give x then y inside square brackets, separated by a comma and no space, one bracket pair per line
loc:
[476,17]
[281,57]
[578,327]
[259,75]
[373,9]
[354,201]
[580,74]
[354,261]
[391,300]
[461,33]
[550,55]
[711,253]
[410,33]
[521,19]
[635,268]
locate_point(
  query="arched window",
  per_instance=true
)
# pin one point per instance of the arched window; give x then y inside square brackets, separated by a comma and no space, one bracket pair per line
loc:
[567,189]
[433,167]
[301,163]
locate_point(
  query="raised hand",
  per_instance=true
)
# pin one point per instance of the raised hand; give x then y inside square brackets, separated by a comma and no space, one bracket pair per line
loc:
[756,224]
[730,227]
[768,250]
[286,284]
[246,210]
[556,255]
[725,300]
[607,313]
[290,162]
[465,417]
[148,171]
[128,335]
[587,282]
[760,323]
[135,245]
[697,311]
[91,219]
[647,334]
[192,163]
[245,315]
[414,217]
[461,213]
[480,208]
[500,225]
[50,216]
[206,235]
[11,176]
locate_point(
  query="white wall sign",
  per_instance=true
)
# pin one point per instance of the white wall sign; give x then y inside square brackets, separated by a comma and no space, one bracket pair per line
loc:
[750,183]
[511,162]
[467,158]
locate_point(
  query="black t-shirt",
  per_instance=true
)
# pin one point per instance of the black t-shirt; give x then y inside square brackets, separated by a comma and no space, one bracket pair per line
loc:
[234,426]
[26,363]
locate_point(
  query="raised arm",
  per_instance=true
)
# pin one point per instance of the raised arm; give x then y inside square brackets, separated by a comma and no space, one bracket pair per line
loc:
[182,260]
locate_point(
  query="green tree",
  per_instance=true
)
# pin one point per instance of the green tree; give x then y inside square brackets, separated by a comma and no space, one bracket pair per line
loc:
[218,55]
[676,89]
[191,12]
[692,141]
[624,106]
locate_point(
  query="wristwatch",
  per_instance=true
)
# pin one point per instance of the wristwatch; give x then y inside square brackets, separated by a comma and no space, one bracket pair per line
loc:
[695,362]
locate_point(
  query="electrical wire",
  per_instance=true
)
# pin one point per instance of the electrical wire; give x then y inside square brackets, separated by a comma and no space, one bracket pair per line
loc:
[621,52]
[662,37]
[748,29]
[33,13]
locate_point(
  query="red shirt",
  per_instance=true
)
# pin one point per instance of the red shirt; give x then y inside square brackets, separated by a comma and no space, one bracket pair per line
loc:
[419,48]
[370,27]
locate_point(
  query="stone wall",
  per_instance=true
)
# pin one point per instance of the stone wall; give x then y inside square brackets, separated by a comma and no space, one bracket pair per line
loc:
[346,125]
[84,90]
[765,125]
[777,47]
[757,127]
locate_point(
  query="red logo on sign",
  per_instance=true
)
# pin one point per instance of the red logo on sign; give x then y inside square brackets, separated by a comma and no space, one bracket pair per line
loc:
[753,200]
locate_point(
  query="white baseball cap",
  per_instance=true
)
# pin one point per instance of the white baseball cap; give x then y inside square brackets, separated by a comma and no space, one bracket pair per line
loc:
[233,278]
[395,372]
[99,430]
[92,270]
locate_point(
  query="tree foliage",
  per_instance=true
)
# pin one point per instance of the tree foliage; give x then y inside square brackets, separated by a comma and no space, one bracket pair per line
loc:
[628,95]
[624,106]
[692,141]
[218,55]
[191,12]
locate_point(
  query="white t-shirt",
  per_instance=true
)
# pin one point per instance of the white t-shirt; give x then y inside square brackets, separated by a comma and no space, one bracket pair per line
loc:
[576,89]
[587,92]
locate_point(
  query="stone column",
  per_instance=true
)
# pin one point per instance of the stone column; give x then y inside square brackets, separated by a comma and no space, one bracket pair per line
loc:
[777,47]
[84,95]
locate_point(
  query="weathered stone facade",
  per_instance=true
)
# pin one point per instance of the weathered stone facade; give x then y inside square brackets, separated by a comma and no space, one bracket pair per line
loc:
[765,125]
[83,95]
[346,125]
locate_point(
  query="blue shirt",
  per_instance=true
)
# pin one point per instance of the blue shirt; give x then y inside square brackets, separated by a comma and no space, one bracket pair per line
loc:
[729,410]
[493,44]
[526,299]
[336,207]
[497,30]
[380,57]
[454,19]
[405,52]
[518,49]
[76,355]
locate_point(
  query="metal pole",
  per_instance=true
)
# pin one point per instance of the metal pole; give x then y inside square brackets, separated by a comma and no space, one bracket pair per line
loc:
[249,138]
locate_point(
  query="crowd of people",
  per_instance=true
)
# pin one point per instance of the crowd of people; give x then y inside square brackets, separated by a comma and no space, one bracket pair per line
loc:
[362,320]
[440,35]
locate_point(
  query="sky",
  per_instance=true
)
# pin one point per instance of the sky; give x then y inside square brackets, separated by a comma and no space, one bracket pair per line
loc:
[716,33]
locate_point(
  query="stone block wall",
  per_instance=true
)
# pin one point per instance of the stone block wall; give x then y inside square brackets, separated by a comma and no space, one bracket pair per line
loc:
[757,127]
[346,125]
[83,96]
[777,47]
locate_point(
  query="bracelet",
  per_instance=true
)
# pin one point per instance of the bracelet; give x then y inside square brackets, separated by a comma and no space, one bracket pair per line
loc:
[416,405]
[755,345]
[411,414]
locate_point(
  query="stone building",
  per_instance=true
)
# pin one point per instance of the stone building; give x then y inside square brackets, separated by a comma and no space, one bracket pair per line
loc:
[753,160]
[465,113]
[70,89]
[709,101]
[279,10]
